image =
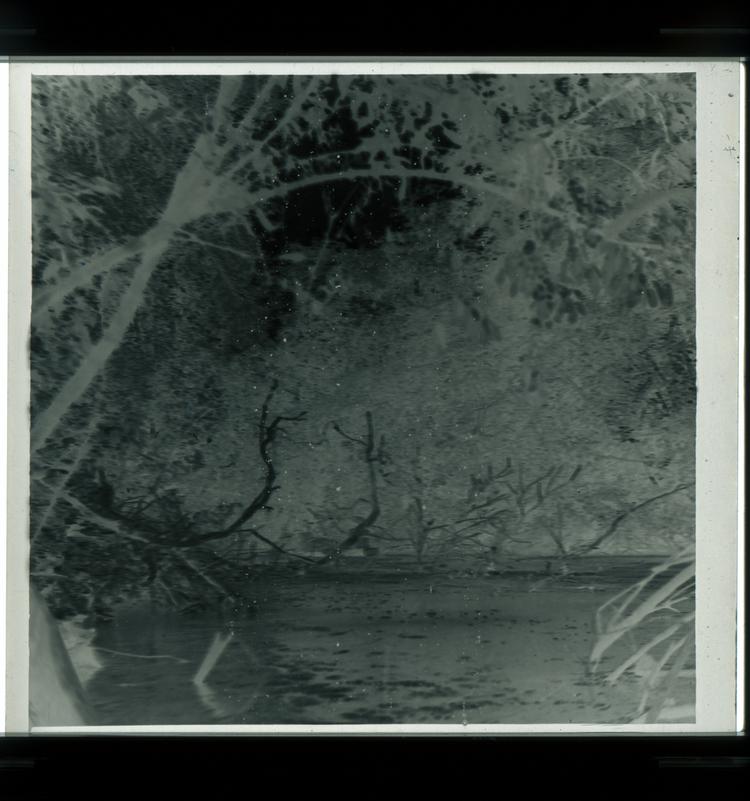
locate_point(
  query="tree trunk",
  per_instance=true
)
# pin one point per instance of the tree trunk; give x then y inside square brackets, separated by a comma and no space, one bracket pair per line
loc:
[56,696]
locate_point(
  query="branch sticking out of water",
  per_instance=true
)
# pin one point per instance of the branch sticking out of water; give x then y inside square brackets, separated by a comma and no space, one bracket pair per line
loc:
[215,650]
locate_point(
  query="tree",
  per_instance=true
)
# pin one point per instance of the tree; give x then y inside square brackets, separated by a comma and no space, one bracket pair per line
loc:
[190,234]
[267,138]
[159,537]
[372,455]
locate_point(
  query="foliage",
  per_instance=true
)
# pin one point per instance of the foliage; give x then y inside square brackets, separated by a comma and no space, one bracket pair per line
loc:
[270,137]
[656,616]
[408,247]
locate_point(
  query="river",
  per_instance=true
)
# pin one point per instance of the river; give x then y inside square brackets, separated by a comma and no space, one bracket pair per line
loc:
[354,649]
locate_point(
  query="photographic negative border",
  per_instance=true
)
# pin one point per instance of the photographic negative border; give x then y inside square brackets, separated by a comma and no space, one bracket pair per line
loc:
[720,92]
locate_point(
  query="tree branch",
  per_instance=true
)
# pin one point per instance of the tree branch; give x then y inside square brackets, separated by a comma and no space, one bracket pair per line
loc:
[357,440]
[612,528]
[364,525]
[274,545]
[266,435]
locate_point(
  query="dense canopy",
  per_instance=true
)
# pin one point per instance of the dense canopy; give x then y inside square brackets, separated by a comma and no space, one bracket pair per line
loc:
[439,315]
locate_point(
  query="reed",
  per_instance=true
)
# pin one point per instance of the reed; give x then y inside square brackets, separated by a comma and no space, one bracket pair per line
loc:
[654,619]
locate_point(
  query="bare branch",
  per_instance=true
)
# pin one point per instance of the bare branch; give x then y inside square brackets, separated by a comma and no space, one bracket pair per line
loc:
[99,520]
[81,453]
[191,565]
[364,525]
[255,533]
[357,440]
[613,526]
[266,434]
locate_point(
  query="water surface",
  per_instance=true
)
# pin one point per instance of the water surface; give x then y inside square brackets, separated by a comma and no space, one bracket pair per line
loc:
[334,649]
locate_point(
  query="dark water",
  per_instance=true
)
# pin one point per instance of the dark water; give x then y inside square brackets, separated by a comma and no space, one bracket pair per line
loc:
[365,650]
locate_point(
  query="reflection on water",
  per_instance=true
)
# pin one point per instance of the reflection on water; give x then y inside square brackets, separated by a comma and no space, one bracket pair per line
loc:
[329,650]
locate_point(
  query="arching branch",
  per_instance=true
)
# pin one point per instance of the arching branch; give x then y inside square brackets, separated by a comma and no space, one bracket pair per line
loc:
[266,435]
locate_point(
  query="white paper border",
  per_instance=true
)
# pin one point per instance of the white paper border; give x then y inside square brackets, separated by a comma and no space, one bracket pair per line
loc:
[719,370]
[4,98]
